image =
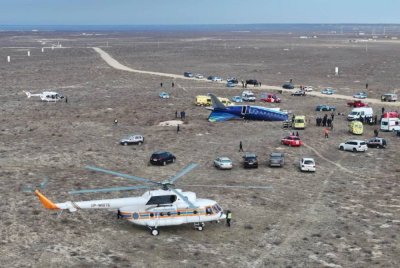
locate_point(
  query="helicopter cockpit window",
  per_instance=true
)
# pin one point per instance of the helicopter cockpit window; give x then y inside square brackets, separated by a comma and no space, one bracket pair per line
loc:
[162,199]
[208,211]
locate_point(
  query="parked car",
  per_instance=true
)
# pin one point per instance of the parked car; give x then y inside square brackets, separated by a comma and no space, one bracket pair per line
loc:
[164,95]
[270,98]
[288,86]
[229,84]
[292,141]
[376,143]
[187,74]
[252,82]
[307,164]
[162,158]
[199,76]
[361,95]
[389,97]
[250,160]
[214,78]
[223,163]
[237,99]
[299,93]
[247,95]
[357,104]
[354,146]
[276,159]
[325,108]
[328,91]
[132,139]
[232,80]
[308,88]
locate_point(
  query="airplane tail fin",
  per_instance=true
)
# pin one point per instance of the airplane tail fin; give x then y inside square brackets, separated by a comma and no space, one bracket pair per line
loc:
[216,103]
[45,201]
[28,94]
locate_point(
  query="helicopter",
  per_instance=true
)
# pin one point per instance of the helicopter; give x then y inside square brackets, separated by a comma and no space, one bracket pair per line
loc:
[166,206]
[49,96]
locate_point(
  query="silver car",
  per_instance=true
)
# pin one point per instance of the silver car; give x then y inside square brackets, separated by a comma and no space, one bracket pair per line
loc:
[223,163]
[276,159]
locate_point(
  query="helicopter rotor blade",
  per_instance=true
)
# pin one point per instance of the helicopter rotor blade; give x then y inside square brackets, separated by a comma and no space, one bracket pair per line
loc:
[122,175]
[107,190]
[182,172]
[184,198]
[232,186]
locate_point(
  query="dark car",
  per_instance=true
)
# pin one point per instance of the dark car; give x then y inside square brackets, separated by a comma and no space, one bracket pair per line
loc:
[232,81]
[376,143]
[276,159]
[288,86]
[162,158]
[252,82]
[187,74]
[250,160]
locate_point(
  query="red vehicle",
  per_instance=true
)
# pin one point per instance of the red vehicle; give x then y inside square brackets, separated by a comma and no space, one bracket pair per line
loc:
[390,115]
[292,141]
[357,103]
[271,98]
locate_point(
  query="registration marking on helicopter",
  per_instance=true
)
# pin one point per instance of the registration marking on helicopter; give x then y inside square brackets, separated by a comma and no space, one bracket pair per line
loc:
[101,205]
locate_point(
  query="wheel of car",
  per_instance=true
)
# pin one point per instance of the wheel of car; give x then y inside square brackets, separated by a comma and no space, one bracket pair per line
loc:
[140,143]
[164,163]
[125,143]
[173,160]
[341,148]
[282,142]
[354,150]
[290,144]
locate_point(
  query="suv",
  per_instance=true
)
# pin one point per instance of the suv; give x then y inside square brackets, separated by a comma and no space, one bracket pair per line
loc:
[354,145]
[276,159]
[162,158]
[252,82]
[376,143]
[247,95]
[250,160]
[288,86]
[133,139]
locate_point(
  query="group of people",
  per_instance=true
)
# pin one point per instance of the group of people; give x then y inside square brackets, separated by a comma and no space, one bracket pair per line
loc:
[325,121]
[182,114]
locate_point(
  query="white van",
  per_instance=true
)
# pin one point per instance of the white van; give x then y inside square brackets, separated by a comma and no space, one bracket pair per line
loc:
[247,95]
[390,124]
[389,97]
[357,113]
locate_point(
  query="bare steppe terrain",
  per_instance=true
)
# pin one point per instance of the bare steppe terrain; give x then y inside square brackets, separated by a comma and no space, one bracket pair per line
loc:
[344,215]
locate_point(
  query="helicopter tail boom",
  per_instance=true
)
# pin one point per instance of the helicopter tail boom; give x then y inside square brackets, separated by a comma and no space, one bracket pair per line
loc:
[47,203]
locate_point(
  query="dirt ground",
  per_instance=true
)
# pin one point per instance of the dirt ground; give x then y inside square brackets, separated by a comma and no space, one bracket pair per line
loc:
[344,215]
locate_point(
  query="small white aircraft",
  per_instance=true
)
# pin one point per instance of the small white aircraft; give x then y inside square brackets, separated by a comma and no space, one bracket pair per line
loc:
[164,207]
[49,96]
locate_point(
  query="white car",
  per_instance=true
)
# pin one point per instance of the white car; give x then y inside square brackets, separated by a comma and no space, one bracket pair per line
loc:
[216,79]
[307,164]
[223,163]
[132,139]
[308,88]
[199,76]
[354,146]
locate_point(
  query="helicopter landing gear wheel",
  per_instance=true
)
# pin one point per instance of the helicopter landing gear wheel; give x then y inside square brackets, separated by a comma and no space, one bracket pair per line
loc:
[154,231]
[199,226]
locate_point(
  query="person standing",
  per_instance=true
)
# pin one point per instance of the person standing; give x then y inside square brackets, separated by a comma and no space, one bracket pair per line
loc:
[383,110]
[326,133]
[376,132]
[115,121]
[176,114]
[366,86]
[173,84]
[66,99]
[119,215]
[297,134]
[161,84]
[228,218]
[332,115]
[240,147]
[177,128]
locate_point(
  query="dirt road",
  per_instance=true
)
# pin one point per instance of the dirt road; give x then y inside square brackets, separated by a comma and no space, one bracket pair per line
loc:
[116,65]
